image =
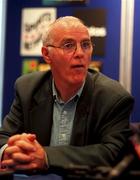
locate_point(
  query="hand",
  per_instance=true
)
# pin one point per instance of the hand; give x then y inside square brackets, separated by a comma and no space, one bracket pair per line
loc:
[24,153]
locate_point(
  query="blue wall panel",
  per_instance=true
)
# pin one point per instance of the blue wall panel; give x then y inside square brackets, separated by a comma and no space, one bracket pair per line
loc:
[136,63]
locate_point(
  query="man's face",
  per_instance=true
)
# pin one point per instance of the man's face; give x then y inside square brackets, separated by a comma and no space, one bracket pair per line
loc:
[70,66]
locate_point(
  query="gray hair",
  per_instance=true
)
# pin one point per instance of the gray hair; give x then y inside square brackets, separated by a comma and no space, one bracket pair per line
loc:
[67,21]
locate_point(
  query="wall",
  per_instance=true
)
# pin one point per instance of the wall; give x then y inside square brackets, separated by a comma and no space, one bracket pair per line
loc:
[136,63]
[2,42]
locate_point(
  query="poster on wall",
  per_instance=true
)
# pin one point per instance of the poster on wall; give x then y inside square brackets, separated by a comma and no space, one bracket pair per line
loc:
[30,65]
[95,20]
[33,24]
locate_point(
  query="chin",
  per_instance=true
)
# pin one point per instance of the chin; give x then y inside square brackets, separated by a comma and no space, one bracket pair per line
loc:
[77,78]
[77,81]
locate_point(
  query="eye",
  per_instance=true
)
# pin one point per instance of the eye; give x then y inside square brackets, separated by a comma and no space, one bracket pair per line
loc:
[69,45]
[86,44]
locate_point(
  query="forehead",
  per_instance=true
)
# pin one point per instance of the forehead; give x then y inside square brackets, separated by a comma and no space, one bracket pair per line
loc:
[76,33]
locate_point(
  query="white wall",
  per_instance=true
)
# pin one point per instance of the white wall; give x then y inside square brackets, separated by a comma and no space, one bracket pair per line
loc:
[2,43]
[126,43]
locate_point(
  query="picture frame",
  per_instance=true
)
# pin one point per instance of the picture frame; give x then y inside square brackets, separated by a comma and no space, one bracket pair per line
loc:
[60,2]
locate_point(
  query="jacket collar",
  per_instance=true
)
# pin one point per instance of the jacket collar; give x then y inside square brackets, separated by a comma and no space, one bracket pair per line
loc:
[82,112]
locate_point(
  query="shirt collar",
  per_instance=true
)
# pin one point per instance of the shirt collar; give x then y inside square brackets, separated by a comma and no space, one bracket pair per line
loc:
[75,97]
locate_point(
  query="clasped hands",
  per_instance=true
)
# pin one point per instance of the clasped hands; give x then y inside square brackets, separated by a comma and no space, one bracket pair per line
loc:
[23,153]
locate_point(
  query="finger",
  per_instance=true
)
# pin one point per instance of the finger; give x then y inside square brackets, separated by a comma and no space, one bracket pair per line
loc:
[3,169]
[30,166]
[26,146]
[13,138]
[30,137]
[11,149]
[7,163]
[22,158]
[17,158]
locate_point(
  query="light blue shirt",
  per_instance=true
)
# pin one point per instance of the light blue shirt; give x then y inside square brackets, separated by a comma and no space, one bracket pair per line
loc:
[63,117]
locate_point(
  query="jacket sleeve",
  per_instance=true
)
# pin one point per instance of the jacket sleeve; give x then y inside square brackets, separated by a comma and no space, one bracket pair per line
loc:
[13,122]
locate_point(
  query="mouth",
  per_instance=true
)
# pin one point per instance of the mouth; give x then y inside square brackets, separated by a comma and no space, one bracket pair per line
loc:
[78,66]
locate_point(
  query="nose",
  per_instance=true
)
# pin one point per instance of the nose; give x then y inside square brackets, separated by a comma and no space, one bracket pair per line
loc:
[78,50]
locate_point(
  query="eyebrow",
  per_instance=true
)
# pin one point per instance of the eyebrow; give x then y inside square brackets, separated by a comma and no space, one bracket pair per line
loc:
[71,39]
[67,39]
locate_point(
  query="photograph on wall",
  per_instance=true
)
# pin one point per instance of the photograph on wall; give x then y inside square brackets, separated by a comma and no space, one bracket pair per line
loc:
[34,21]
[95,20]
[29,65]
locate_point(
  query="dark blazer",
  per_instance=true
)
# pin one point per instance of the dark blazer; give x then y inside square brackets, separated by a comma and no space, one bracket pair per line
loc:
[101,123]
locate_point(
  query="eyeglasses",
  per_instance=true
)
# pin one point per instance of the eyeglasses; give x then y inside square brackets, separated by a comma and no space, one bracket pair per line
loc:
[71,46]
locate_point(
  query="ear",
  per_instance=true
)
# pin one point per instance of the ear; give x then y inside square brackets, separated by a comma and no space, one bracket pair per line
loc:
[45,54]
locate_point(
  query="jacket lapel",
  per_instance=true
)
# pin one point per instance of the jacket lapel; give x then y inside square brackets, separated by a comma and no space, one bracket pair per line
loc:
[41,114]
[81,117]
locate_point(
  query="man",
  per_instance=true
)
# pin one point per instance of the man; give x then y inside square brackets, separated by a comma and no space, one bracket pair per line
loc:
[68,115]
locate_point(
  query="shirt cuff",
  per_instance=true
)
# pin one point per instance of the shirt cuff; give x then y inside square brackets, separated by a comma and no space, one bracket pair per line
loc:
[1,152]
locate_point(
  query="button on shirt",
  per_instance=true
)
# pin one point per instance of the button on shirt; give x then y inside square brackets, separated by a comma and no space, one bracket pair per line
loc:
[63,117]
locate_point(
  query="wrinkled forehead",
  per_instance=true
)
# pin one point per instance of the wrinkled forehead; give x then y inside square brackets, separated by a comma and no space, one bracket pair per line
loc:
[71,33]
[71,29]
